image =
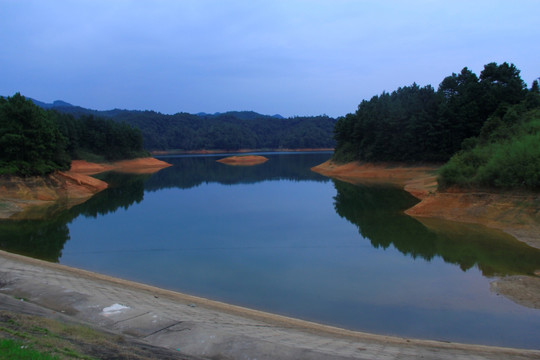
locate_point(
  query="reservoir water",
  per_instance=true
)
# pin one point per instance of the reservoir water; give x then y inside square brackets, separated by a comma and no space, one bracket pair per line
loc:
[280,238]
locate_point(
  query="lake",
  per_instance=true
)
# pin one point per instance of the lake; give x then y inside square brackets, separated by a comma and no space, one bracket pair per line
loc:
[281,238]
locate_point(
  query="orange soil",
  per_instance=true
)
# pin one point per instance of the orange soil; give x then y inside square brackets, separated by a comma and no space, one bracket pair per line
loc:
[516,214]
[248,160]
[34,197]
[420,181]
[146,165]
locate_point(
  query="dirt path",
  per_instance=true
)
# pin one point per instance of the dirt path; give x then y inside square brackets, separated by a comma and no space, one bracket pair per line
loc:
[205,328]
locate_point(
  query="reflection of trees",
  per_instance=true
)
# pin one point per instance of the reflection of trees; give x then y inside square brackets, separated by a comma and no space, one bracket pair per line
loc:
[192,171]
[45,238]
[123,191]
[378,213]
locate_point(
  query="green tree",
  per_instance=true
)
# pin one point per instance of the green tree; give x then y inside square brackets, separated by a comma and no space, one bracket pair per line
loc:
[502,86]
[30,140]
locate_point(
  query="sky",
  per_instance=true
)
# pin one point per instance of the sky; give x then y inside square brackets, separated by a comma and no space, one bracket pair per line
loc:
[288,57]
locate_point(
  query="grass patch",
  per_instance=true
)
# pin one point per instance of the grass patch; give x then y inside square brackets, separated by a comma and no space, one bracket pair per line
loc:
[35,337]
[17,350]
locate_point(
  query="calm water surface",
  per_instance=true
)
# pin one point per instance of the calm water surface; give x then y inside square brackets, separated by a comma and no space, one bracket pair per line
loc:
[280,238]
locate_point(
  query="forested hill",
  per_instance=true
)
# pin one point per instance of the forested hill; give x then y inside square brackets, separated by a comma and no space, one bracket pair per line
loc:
[488,127]
[416,123]
[224,131]
[34,141]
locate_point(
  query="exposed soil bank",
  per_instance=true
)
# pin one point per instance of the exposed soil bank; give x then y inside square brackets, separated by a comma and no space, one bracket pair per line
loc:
[39,196]
[248,160]
[35,197]
[420,181]
[146,165]
[517,214]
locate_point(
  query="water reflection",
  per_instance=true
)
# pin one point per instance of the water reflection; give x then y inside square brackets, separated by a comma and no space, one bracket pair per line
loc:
[377,211]
[45,238]
[192,171]
[42,239]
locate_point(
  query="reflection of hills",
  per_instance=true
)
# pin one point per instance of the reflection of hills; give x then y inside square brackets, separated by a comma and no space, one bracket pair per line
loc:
[378,213]
[192,171]
[123,191]
[45,238]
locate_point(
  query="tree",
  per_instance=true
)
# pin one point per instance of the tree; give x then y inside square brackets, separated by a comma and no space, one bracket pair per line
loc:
[501,86]
[30,140]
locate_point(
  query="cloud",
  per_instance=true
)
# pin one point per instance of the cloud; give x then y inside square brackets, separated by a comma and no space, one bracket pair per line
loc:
[293,57]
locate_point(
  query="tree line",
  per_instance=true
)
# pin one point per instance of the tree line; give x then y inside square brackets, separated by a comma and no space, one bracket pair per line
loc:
[34,141]
[465,117]
[223,131]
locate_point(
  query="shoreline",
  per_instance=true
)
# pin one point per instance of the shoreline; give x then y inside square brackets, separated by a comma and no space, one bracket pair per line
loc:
[516,214]
[239,151]
[243,160]
[33,197]
[210,328]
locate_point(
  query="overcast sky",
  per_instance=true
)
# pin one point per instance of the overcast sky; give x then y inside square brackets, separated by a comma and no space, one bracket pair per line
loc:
[290,57]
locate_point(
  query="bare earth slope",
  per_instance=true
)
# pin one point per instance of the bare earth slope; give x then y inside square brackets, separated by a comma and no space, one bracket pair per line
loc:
[38,196]
[247,160]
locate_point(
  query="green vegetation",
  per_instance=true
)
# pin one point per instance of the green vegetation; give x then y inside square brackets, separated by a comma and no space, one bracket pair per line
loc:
[16,350]
[487,126]
[30,140]
[25,337]
[420,124]
[222,131]
[505,155]
[35,141]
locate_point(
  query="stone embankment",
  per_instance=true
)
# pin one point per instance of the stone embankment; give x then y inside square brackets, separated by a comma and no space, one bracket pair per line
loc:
[203,328]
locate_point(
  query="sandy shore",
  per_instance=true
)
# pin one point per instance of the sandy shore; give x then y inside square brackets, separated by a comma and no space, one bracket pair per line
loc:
[205,328]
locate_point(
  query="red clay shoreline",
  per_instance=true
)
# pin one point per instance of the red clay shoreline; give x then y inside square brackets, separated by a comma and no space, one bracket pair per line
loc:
[33,197]
[243,160]
[513,213]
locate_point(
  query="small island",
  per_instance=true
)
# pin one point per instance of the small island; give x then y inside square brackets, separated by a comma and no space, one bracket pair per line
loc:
[245,160]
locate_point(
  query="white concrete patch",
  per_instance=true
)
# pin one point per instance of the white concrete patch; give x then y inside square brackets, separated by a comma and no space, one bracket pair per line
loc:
[113,309]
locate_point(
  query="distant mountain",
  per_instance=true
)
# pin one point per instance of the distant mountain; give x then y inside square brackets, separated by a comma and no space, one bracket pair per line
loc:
[55,104]
[232,130]
[244,115]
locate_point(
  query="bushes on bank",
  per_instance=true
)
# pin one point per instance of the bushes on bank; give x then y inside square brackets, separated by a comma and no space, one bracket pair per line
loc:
[505,156]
